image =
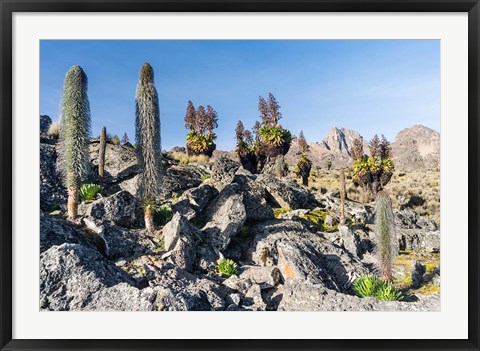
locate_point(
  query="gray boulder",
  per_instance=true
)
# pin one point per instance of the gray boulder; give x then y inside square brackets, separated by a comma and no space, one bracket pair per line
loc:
[264,277]
[303,255]
[54,231]
[45,122]
[254,198]
[177,179]
[121,208]
[52,192]
[306,296]
[75,277]
[287,193]
[417,274]
[181,239]
[409,219]
[124,243]
[178,290]
[418,239]
[194,201]
[225,217]
[223,171]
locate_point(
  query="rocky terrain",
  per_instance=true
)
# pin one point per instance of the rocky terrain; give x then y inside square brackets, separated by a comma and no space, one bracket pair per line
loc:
[291,253]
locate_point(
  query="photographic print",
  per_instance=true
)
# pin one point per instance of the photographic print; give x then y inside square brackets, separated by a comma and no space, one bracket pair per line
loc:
[239,175]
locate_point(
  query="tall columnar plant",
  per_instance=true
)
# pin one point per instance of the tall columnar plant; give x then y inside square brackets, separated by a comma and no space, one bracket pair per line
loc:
[101,155]
[386,241]
[147,121]
[343,194]
[75,114]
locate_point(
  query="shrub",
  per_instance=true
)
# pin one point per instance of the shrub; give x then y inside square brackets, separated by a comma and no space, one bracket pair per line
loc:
[54,130]
[181,157]
[88,192]
[163,215]
[372,286]
[226,268]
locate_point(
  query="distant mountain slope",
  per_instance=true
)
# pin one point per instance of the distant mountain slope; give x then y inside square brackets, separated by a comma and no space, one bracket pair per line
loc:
[417,147]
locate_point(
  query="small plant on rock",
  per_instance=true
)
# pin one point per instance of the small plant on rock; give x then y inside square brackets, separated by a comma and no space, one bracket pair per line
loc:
[226,268]
[88,192]
[372,286]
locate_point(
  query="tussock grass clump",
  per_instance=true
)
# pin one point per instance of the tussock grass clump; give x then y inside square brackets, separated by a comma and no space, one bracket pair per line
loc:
[184,159]
[54,130]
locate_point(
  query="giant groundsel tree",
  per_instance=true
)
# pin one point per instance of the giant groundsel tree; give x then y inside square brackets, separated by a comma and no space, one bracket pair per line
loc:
[147,119]
[74,152]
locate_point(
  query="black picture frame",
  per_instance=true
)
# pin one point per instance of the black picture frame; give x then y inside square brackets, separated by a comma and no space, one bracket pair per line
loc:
[8,7]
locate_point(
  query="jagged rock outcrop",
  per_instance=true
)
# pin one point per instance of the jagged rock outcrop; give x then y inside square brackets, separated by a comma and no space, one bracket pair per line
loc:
[225,217]
[121,208]
[303,255]
[181,240]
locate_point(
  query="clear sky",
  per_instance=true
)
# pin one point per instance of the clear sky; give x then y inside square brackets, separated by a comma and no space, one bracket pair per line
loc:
[372,86]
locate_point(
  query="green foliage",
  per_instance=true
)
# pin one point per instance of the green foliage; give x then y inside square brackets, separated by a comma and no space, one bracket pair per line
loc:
[387,292]
[372,286]
[162,215]
[75,131]
[366,286]
[201,143]
[317,218]
[274,135]
[226,268]
[205,177]
[88,192]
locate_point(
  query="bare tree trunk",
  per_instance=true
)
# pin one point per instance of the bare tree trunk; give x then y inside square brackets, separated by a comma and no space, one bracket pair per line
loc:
[148,217]
[101,155]
[342,196]
[72,203]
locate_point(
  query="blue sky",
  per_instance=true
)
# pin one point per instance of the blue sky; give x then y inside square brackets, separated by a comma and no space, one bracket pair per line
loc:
[372,86]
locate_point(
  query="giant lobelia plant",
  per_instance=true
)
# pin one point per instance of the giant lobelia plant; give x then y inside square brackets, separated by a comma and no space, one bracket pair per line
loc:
[147,121]
[74,152]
